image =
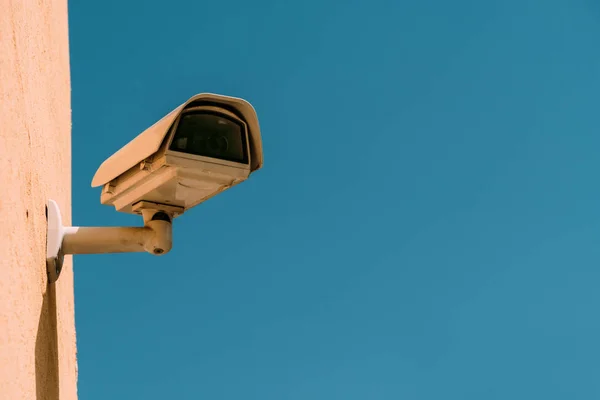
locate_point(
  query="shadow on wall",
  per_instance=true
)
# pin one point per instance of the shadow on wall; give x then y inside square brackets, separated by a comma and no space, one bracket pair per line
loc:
[46,349]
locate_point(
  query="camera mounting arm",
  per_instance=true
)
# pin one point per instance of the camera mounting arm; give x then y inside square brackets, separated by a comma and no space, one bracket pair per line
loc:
[155,237]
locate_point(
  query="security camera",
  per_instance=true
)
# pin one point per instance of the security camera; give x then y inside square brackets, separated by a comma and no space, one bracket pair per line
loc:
[203,147]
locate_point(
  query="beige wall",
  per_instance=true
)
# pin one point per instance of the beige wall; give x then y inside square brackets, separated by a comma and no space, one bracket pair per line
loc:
[37,329]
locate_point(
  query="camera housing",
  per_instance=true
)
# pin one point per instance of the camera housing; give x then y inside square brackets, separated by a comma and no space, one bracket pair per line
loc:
[203,147]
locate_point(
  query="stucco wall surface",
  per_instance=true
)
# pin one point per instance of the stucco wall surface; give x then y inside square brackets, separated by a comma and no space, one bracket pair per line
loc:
[37,327]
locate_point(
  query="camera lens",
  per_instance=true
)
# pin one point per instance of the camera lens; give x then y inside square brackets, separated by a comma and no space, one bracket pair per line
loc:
[211,135]
[218,144]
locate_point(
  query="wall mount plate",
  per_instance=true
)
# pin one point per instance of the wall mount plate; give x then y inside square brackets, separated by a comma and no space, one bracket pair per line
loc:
[54,238]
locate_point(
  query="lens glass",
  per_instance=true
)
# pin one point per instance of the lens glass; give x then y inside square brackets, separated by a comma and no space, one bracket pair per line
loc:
[211,135]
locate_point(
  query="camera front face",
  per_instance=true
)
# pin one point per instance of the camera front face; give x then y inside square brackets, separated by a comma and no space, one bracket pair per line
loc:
[208,132]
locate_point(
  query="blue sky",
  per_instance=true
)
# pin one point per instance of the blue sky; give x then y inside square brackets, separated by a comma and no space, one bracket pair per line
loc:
[425,226]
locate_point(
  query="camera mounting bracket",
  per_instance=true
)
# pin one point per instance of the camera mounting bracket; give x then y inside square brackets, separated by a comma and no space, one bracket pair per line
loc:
[155,237]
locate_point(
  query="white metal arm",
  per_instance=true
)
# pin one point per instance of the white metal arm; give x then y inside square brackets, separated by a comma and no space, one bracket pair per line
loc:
[155,238]
[95,240]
